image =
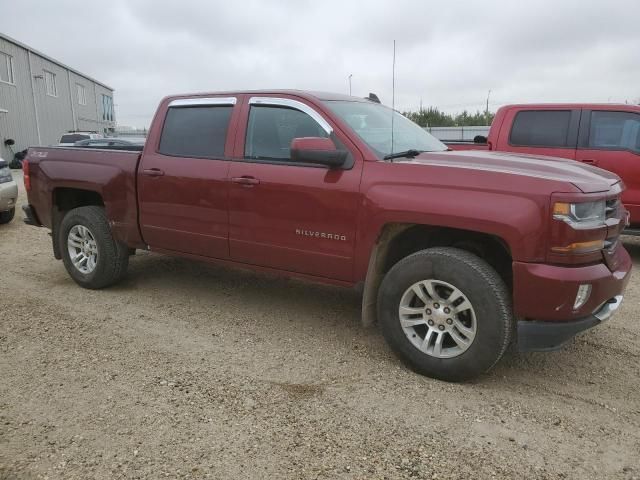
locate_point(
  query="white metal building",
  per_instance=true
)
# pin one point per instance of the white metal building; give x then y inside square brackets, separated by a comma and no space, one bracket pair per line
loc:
[41,98]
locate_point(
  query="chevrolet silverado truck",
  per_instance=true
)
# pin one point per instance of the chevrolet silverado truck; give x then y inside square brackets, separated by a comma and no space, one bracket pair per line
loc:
[459,254]
[604,135]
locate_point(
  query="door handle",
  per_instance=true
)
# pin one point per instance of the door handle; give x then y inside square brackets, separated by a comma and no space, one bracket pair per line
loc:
[153,172]
[246,181]
[590,161]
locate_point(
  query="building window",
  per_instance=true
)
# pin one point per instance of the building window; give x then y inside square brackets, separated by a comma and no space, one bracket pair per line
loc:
[107,108]
[6,68]
[82,94]
[50,83]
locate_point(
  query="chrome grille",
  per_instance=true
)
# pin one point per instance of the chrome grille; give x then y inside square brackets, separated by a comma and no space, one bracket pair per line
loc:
[613,213]
[610,244]
[612,207]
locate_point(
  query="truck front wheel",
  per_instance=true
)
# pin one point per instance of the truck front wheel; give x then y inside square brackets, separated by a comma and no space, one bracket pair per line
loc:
[446,313]
[92,257]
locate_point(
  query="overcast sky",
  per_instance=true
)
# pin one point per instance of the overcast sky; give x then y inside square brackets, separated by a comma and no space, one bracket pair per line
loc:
[449,53]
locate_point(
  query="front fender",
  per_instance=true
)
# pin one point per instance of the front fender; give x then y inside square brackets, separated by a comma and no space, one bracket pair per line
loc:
[519,221]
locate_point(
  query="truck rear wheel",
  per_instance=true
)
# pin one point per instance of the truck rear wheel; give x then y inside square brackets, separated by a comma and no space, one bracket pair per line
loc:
[92,257]
[6,217]
[446,313]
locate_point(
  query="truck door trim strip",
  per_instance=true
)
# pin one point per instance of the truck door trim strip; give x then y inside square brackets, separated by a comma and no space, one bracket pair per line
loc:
[190,102]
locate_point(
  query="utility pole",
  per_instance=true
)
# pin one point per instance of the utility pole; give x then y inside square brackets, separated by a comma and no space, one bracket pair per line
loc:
[486,113]
[350,75]
[393,91]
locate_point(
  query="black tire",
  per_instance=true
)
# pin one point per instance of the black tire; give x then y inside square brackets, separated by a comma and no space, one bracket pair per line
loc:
[6,217]
[482,286]
[112,258]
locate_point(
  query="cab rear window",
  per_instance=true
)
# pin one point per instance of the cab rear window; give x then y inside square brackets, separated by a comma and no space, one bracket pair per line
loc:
[73,138]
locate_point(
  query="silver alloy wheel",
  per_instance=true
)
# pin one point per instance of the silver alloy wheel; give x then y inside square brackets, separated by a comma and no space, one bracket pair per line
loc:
[437,318]
[83,249]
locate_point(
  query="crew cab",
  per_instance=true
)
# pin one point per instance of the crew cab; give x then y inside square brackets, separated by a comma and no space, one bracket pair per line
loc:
[458,254]
[603,135]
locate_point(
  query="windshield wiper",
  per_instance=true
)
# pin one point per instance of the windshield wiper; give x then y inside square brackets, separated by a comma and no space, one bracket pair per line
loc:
[406,154]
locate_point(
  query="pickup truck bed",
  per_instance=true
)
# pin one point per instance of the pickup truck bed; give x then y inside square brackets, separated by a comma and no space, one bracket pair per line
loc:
[467,146]
[65,173]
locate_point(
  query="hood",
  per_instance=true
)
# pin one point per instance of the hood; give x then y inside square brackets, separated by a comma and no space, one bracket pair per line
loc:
[586,178]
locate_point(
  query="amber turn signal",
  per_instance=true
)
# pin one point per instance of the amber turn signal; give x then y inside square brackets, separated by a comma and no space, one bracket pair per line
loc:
[581,247]
[561,209]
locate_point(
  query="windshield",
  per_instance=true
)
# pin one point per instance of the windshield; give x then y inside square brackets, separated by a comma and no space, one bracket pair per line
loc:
[372,123]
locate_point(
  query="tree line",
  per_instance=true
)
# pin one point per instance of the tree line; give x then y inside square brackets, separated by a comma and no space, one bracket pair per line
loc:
[433,117]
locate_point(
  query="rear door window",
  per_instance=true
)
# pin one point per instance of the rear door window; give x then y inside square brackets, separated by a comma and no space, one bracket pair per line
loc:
[195,131]
[541,128]
[615,131]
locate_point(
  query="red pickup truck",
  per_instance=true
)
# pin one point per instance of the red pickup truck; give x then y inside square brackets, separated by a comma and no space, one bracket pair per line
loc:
[605,135]
[459,254]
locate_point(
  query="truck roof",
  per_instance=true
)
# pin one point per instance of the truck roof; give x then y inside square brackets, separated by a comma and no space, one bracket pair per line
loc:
[594,106]
[307,94]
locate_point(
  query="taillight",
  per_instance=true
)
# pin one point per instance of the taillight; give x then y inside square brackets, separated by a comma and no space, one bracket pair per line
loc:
[26,176]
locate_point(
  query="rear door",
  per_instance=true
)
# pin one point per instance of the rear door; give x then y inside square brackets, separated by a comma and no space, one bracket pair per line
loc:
[550,132]
[286,215]
[182,186]
[610,140]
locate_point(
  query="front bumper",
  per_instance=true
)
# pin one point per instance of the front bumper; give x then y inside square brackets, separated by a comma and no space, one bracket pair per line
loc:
[536,336]
[8,195]
[547,293]
[544,297]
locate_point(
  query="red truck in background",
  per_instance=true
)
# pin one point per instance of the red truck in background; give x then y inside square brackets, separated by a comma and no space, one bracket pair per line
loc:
[603,135]
[459,254]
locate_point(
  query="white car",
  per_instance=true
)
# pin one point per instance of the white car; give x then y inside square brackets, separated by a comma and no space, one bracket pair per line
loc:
[8,193]
[69,139]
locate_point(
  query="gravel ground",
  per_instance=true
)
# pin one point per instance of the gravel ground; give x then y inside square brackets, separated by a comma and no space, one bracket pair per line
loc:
[187,370]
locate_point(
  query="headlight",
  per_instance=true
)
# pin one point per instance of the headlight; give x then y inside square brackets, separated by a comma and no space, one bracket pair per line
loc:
[5,175]
[581,216]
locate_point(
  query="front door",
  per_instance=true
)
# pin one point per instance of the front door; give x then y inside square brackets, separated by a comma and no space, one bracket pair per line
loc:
[182,181]
[611,140]
[285,215]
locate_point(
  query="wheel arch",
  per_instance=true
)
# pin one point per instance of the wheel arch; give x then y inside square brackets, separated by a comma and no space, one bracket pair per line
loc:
[398,240]
[65,199]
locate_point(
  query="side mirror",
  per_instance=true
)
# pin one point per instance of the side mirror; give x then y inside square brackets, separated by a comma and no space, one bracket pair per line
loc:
[317,150]
[479,139]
